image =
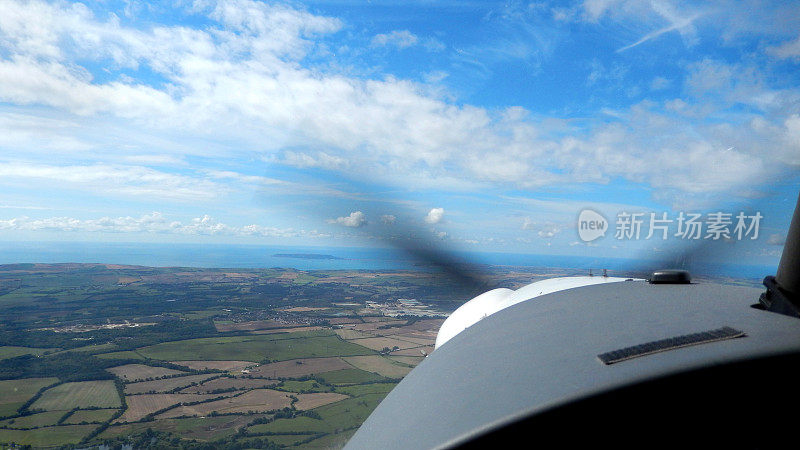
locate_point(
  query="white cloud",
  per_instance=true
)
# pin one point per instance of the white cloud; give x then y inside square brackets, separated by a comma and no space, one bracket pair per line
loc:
[659,83]
[317,159]
[25,132]
[148,223]
[681,24]
[134,181]
[436,76]
[555,210]
[398,38]
[27,81]
[527,223]
[725,19]
[434,216]
[660,17]
[154,160]
[614,74]
[240,80]
[242,178]
[544,230]
[388,219]
[548,233]
[721,85]
[356,219]
[787,50]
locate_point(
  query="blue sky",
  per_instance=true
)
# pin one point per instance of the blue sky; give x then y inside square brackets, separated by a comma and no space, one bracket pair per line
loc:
[485,125]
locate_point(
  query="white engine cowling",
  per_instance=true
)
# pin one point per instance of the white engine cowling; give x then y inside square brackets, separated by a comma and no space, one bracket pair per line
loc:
[496,300]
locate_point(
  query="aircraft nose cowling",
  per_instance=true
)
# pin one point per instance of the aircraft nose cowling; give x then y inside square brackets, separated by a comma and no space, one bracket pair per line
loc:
[496,300]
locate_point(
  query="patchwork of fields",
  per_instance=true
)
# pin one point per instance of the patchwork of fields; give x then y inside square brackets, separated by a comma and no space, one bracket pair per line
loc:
[299,375]
[207,388]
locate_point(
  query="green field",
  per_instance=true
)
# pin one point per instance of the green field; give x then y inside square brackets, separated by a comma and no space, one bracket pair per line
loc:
[90,416]
[44,419]
[11,351]
[349,376]
[83,394]
[198,314]
[330,441]
[295,425]
[14,393]
[288,440]
[209,428]
[47,437]
[349,413]
[121,355]
[362,389]
[302,386]
[92,349]
[336,417]
[56,319]
[277,347]
[282,440]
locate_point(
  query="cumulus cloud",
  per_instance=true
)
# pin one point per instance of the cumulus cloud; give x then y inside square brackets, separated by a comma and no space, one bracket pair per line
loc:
[527,223]
[548,233]
[388,219]
[543,230]
[356,219]
[241,79]
[434,216]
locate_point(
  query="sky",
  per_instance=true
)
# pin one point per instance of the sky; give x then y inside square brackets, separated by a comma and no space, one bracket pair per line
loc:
[485,126]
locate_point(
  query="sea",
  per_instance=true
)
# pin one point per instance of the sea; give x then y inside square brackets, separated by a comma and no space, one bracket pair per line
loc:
[316,258]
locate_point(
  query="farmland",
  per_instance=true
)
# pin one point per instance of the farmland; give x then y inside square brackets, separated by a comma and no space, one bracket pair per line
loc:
[139,372]
[84,394]
[140,406]
[166,384]
[278,347]
[11,351]
[94,353]
[14,393]
[215,365]
[229,384]
[203,429]
[42,419]
[299,367]
[256,400]
[380,365]
[90,416]
[47,437]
